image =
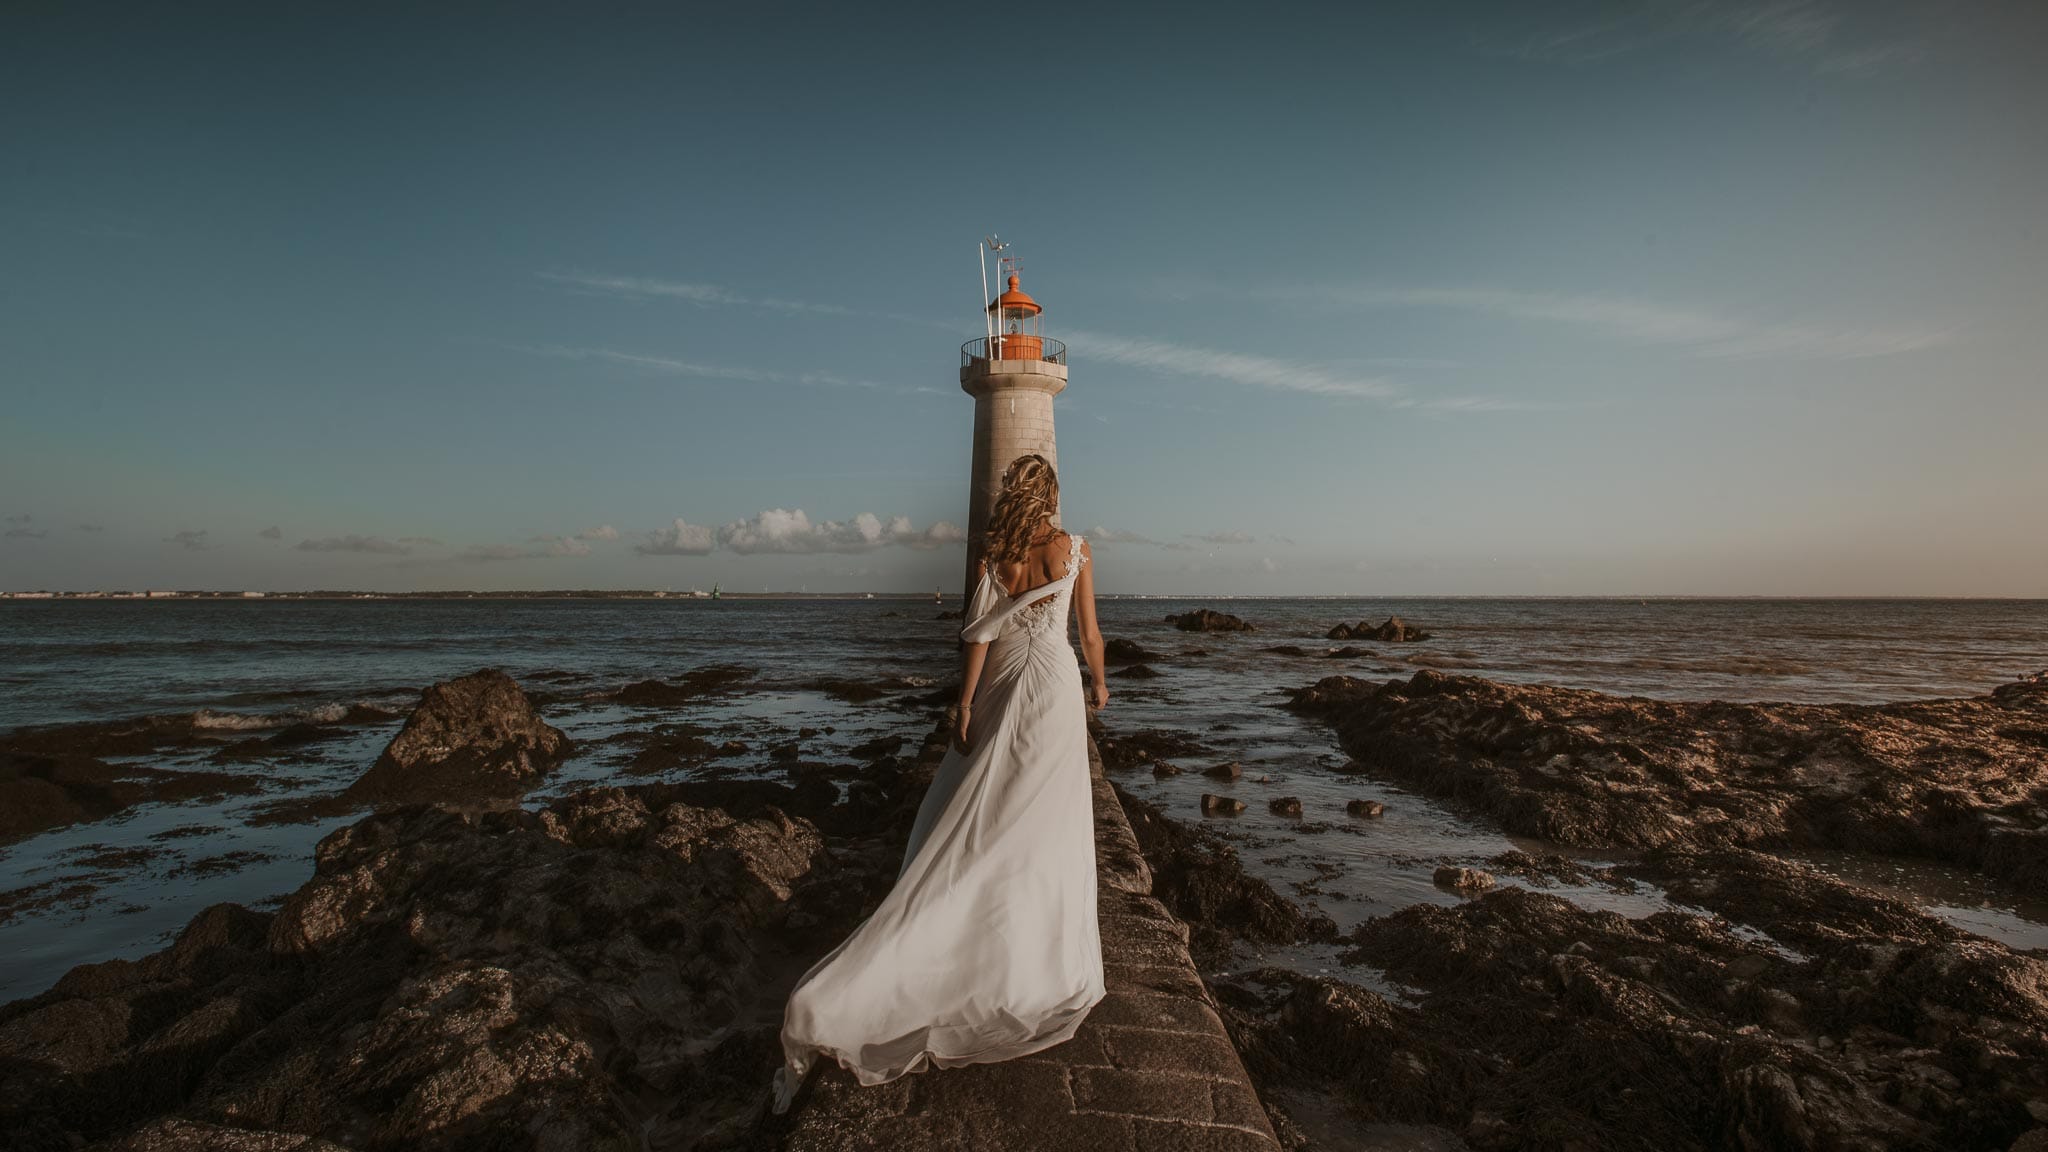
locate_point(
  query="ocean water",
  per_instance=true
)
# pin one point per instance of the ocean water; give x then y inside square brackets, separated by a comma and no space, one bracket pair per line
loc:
[122,887]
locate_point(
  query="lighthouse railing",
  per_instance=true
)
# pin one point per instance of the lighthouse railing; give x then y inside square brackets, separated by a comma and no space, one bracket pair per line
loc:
[1013,348]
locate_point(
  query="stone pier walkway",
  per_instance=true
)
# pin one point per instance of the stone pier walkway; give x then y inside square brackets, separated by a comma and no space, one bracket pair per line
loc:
[1150,1069]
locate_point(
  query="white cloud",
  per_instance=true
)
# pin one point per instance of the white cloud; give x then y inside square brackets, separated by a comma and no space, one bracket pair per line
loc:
[1222,537]
[716,295]
[790,530]
[601,532]
[679,539]
[1101,535]
[374,545]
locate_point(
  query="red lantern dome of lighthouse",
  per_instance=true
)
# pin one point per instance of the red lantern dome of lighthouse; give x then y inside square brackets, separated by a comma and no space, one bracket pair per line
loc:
[1019,332]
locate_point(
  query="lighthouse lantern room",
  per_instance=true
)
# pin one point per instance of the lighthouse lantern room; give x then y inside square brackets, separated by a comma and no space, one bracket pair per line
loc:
[1013,371]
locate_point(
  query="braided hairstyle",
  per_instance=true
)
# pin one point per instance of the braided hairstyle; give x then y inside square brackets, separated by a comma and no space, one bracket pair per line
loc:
[1031,497]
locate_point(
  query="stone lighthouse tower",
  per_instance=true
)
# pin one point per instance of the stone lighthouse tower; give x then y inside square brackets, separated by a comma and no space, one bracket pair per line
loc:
[1013,373]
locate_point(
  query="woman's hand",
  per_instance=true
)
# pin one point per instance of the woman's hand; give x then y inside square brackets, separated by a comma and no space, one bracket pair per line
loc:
[1101,694]
[960,728]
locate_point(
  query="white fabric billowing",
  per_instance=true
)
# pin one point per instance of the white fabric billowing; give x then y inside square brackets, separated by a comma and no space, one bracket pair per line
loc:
[987,947]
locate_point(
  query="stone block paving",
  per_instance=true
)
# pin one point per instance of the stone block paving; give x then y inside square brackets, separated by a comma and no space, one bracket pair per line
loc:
[1151,1069]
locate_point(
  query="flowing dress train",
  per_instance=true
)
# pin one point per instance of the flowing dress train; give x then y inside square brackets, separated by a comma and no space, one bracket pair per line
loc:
[987,946]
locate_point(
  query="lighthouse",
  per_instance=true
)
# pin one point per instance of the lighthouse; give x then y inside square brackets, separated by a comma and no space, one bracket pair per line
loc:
[1013,372]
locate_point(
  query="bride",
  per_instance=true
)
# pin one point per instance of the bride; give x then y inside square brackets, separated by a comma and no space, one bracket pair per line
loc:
[986,948]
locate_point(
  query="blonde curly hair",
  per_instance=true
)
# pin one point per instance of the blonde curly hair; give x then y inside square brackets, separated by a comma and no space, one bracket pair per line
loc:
[1031,497]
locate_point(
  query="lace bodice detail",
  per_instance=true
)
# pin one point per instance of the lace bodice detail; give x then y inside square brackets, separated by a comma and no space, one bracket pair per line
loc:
[1051,612]
[1041,611]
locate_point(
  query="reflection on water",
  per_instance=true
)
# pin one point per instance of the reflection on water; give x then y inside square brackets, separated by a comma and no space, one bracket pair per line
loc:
[265,663]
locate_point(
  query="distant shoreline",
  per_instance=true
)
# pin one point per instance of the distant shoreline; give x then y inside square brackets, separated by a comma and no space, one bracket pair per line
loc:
[242,597]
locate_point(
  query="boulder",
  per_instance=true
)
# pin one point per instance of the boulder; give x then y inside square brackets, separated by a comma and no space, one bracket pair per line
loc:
[1161,770]
[1285,805]
[1463,879]
[1208,620]
[474,737]
[1121,651]
[1214,805]
[1371,809]
[1229,770]
[1394,631]
[1136,672]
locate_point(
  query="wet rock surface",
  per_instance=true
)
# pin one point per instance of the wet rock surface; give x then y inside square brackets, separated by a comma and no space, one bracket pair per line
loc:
[474,737]
[1200,880]
[603,972]
[1963,781]
[1393,631]
[1208,620]
[1118,650]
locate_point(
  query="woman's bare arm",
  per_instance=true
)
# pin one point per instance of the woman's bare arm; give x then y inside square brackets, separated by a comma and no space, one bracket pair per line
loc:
[972,656]
[1091,634]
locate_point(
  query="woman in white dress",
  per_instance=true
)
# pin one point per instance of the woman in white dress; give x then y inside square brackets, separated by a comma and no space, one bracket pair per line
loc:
[987,946]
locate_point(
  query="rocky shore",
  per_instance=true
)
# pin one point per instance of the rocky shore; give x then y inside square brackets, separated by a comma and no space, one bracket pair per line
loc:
[606,969]
[1963,781]
[1772,1007]
[603,972]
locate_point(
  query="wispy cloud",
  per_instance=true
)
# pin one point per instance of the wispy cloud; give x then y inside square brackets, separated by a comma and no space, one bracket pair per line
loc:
[1104,535]
[1703,333]
[1804,32]
[24,533]
[1237,368]
[601,532]
[272,533]
[191,541]
[670,366]
[535,548]
[1222,537]
[372,545]
[718,295]
[19,518]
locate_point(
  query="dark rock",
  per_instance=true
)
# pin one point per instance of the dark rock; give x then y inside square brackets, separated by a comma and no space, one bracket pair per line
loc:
[473,737]
[852,691]
[1371,809]
[1208,620]
[712,680]
[1462,879]
[1229,770]
[1347,652]
[1286,649]
[1200,880]
[1955,780]
[39,791]
[1161,770]
[1118,650]
[1214,805]
[1285,805]
[951,614]
[1144,747]
[1394,631]
[1136,672]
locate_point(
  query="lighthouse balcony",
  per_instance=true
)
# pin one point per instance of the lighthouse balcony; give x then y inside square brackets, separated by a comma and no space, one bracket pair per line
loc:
[1013,347]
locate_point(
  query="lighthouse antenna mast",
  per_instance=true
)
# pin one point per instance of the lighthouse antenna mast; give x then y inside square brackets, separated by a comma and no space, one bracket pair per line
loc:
[988,316]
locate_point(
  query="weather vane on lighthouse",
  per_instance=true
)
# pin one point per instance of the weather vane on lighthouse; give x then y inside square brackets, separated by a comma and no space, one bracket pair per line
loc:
[1013,371]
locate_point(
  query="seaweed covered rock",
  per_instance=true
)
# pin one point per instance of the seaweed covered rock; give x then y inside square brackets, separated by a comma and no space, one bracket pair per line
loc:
[581,976]
[1208,620]
[474,737]
[1961,780]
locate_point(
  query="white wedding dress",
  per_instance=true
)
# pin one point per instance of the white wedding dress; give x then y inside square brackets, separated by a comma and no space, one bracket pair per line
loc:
[987,947]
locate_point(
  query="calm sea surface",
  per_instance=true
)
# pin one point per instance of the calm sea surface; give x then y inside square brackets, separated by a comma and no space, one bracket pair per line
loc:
[251,666]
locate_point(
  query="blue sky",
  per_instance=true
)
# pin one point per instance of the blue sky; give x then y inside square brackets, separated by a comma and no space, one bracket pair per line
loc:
[1659,298]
